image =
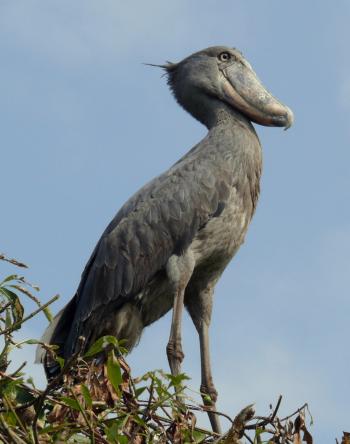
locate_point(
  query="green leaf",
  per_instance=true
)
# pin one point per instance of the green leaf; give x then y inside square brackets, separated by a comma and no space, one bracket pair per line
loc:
[198,436]
[4,384]
[31,341]
[139,391]
[176,380]
[10,418]
[257,437]
[12,277]
[139,421]
[10,388]
[100,345]
[8,319]
[31,381]
[113,371]
[17,311]
[16,306]
[60,361]
[112,433]
[70,403]
[86,395]
[48,314]
[28,341]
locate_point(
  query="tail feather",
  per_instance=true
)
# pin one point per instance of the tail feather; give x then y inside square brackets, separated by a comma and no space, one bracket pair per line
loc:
[125,322]
[56,333]
[47,338]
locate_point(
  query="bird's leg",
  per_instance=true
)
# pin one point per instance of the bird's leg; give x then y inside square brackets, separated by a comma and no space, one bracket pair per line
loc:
[174,347]
[199,302]
[179,270]
[208,391]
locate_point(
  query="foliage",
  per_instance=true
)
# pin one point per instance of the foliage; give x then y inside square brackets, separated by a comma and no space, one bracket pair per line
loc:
[94,399]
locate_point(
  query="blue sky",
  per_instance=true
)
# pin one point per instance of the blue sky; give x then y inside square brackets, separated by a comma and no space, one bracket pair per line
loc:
[85,124]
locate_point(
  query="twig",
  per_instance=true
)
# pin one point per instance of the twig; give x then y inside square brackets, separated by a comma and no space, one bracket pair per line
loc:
[26,292]
[147,409]
[13,374]
[297,411]
[82,411]
[12,261]
[165,412]
[197,429]
[248,438]
[14,437]
[10,406]
[2,309]
[238,427]
[268,420]
[224,415]
[20,407]
[31,390]
[50,386]
[276,408]
[34,313]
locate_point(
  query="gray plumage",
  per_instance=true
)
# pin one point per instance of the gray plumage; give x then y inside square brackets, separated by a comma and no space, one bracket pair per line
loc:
[170,242]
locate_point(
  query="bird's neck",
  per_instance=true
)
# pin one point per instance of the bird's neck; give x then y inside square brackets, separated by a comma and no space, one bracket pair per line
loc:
[234,139]
[213,112]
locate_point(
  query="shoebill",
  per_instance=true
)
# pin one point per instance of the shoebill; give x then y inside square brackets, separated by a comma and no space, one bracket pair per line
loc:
[167,247]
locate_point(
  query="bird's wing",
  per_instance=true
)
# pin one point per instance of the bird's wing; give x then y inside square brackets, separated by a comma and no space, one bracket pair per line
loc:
[160,220]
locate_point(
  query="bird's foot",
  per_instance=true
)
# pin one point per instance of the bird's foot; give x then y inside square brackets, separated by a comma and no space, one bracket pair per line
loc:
[209,396]
[175,356]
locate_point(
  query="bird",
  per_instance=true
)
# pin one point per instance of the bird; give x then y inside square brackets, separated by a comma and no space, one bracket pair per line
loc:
[168,245]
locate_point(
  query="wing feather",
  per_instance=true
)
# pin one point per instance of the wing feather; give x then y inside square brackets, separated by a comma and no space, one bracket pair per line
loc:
[158,221]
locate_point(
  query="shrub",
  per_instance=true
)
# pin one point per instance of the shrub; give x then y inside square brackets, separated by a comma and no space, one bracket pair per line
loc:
[95,399]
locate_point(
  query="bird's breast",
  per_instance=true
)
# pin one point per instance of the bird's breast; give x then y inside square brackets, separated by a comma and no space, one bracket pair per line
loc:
[221,237]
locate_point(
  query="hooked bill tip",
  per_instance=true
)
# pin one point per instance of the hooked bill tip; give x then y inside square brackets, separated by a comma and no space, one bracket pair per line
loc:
[289,118]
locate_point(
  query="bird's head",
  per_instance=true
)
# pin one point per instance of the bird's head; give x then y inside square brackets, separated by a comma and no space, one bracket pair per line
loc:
[222,74]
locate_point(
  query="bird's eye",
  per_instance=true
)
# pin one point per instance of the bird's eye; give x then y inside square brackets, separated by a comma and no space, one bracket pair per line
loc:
[224,56]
